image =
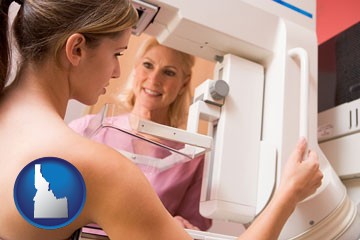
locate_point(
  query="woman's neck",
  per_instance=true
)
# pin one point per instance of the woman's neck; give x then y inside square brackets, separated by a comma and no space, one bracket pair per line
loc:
[158,116]
[44,87]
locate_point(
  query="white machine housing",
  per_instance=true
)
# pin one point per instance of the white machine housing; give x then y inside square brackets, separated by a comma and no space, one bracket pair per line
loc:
[267,53]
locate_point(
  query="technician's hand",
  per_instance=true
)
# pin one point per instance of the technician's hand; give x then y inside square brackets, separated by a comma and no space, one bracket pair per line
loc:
[301,178]
[185,223]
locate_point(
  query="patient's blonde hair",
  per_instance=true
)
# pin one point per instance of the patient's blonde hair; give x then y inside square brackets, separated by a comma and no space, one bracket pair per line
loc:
[42,27]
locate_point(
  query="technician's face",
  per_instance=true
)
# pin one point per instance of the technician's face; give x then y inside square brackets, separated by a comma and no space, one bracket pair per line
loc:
[159,79]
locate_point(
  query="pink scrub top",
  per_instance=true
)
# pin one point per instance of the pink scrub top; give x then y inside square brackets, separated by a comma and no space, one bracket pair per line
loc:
[178,187]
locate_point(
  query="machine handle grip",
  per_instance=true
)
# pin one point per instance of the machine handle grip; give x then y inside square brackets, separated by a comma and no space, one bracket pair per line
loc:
[304,88]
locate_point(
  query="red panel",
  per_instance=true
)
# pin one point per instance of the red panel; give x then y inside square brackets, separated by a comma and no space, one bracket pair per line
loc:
[334,16]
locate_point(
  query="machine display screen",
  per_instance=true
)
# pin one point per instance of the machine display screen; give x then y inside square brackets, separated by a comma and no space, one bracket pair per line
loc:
[339,69]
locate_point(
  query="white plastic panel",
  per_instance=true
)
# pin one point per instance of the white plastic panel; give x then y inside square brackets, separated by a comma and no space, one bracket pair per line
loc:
[230,190]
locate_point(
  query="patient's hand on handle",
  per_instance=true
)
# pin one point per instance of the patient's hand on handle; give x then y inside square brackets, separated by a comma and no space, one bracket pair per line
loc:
[300,177]
[299,180]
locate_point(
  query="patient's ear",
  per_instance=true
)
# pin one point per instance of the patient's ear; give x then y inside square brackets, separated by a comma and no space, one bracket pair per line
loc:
[75,48]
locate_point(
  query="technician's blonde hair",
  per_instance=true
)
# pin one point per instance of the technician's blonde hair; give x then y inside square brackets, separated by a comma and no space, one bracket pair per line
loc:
[178,110]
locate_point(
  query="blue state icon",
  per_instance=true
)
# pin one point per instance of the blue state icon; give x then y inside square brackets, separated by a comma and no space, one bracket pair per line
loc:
[49,193]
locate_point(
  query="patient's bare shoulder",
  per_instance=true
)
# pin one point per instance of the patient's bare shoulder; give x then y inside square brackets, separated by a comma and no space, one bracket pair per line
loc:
[110,177]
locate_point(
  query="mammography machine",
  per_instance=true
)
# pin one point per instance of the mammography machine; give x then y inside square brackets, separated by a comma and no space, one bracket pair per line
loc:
[266,55]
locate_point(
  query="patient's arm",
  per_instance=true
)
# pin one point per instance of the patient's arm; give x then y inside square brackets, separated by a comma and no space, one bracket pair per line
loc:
[124,203]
